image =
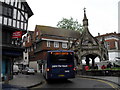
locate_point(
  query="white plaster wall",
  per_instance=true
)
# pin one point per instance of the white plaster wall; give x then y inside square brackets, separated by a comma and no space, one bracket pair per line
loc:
[112,55]
[34,64]
[25,61]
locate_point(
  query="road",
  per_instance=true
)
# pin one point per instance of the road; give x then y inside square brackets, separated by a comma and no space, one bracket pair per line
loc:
[80,82]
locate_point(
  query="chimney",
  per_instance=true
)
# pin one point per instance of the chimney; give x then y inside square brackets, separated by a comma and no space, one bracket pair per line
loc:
[98,34]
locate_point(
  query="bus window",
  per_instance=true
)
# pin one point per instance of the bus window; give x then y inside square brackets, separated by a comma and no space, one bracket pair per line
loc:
[61,58]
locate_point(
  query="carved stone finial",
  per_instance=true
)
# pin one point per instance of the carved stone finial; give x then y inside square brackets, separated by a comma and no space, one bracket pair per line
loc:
[84,9]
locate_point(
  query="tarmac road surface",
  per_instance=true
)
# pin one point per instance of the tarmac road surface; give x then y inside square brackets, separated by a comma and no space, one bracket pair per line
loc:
[79,82]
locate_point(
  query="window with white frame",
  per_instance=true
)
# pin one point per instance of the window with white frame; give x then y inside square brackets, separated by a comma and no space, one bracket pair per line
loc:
[108,45]
[21,25]
[25,26]
[28,38]
[22,7]
[10,22]
[14,23]
[64,45]
[22,18]
[5,20]
[18,24]
[37,33]
[16,3]
[18,17]
[56,44]
[26,16]
[35,46]
[116,44]
[19,5]
[48,43]
[12,2]
[14,13]
[0,19]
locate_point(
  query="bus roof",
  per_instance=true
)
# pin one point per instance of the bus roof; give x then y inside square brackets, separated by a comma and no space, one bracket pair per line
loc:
[60,51]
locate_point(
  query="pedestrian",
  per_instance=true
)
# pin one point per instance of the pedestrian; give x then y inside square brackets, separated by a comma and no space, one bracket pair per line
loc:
[86,68]
[103,67]
[114,65]
[96,66]
[109,65]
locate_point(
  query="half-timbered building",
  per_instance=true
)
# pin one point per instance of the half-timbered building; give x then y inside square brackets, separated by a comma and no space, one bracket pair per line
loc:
[14,22]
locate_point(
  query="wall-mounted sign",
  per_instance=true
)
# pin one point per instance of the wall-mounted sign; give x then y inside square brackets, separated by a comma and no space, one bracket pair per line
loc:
[17,34]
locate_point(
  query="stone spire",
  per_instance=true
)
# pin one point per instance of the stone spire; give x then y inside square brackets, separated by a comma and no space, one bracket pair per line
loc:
[85,20]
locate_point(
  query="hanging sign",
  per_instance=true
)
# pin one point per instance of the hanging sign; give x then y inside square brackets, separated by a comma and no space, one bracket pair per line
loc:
[17,34]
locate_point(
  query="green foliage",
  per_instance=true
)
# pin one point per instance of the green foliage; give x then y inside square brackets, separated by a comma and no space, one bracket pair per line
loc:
[70,24]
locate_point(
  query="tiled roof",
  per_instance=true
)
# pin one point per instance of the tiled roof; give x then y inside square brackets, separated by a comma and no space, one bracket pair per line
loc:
[109,34]
[47,30]
[30,13]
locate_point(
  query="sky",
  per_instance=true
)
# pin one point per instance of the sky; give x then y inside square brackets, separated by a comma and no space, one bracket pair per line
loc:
[102,14]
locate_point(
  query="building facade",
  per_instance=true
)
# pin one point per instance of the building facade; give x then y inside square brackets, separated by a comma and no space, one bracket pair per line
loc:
[14,21]
[28,45]
[47,38]
[119,17]
[112,41]
[88,47]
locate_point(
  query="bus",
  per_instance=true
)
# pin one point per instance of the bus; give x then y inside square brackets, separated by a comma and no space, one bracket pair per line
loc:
[59,65]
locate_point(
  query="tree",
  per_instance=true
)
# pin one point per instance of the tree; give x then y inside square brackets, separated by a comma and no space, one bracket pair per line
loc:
[70,24]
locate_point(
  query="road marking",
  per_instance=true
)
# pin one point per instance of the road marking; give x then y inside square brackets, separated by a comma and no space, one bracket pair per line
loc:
[110,84]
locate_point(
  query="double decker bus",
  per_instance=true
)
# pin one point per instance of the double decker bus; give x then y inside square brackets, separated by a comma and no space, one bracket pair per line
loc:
[59,65]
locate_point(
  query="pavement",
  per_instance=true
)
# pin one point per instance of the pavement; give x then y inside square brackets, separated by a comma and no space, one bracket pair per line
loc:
[29,81]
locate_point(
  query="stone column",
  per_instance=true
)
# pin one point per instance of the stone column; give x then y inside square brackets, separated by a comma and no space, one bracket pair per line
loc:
[93,61]
[87,60]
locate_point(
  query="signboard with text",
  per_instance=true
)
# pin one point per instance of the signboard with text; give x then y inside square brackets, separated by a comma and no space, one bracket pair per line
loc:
[17,34]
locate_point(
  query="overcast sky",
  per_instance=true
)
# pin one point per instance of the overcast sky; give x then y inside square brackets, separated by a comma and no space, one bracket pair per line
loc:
[102,14]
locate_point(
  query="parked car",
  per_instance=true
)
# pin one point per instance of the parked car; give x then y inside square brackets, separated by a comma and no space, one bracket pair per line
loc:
[15,69]
[28,70]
